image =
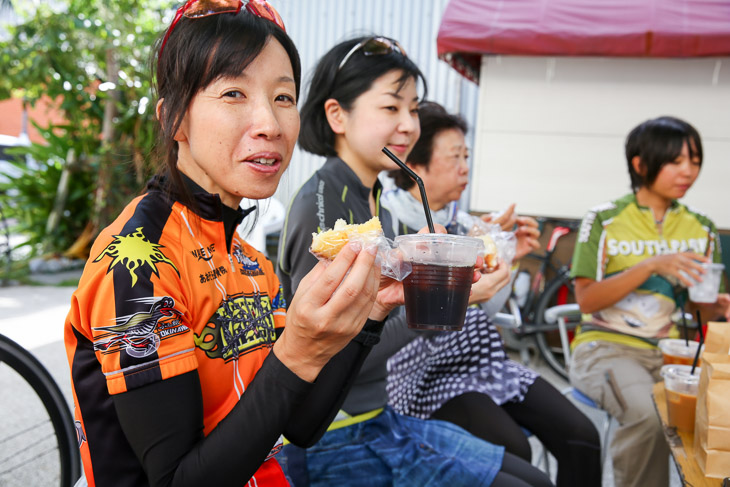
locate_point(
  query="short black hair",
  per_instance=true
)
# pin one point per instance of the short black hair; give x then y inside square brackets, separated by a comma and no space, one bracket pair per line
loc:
[434,119]
[197,53]
[345,85]
[657,142]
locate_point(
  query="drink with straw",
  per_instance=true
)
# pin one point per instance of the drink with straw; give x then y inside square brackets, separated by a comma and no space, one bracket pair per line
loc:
[678,351]
[437,290]
[681,389]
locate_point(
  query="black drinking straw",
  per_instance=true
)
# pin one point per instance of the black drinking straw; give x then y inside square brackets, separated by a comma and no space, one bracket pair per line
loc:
[699,346]
[419,182]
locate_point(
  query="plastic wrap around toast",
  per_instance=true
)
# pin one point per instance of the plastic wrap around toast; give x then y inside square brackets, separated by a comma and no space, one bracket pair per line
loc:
[499,245]
[328,243]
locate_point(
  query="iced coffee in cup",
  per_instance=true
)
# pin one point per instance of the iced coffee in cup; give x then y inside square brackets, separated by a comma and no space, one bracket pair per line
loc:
[707,290]
[681,391]
[437,290]
[678,351]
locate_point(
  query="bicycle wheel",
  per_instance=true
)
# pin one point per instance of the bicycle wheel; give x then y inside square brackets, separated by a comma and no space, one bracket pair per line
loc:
[558,291]
[38,443]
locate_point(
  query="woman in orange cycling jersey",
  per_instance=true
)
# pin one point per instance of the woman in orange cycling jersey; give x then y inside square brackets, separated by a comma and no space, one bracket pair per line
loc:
[183,372]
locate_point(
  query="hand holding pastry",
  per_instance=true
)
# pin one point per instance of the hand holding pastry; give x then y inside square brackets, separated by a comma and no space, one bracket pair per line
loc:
[329,308]
[490,284]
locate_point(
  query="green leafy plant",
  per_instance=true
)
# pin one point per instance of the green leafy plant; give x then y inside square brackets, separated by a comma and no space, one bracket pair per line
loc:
[29,196]
[90,58]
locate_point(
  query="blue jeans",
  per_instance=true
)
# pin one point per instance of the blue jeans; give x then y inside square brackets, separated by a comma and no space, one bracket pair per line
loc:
[393,449]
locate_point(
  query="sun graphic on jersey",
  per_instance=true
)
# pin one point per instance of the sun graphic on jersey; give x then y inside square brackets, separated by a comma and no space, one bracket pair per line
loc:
[134,251]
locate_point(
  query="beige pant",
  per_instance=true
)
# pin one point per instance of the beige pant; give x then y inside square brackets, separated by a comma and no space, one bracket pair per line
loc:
[619,378]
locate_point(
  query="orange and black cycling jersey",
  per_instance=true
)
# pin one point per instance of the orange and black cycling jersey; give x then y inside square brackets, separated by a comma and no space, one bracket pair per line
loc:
[174,307]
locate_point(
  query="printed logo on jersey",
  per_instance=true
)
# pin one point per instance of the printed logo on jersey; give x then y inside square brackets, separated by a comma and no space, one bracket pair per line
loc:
[249,267]
[279,301]
[204,253]
[584,234]
[80,435]
[242,324]
[212,274]
[654,247]
[134,251]
[277,447]
[320,204]
[140,334]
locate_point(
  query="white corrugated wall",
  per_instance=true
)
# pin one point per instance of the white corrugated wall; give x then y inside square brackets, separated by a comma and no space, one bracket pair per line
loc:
[563,121]
[317,25]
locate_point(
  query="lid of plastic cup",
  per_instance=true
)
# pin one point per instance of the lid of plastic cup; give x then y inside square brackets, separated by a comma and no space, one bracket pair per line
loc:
[681,373]
[441,237]
[678,347]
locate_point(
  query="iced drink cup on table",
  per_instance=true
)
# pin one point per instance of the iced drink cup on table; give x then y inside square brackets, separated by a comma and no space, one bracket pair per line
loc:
[677,351]
[681,392]
[707,290]
[437,289]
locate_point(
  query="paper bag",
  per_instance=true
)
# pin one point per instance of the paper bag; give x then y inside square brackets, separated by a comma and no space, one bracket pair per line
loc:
[717,339]
[712,418]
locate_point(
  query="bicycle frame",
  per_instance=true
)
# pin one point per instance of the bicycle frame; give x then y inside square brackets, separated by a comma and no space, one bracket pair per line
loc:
[538,281]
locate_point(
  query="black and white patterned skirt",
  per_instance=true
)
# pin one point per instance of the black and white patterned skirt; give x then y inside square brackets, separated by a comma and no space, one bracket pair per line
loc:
[428,372]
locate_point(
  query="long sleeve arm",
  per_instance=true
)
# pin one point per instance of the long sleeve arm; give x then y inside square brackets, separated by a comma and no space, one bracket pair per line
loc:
[168,439]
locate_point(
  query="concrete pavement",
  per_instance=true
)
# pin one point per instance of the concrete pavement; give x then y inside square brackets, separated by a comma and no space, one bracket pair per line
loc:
[34,315]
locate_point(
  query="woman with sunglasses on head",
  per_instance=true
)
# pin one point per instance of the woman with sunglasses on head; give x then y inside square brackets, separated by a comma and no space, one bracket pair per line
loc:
[182,370]
[363,97]
[446,376]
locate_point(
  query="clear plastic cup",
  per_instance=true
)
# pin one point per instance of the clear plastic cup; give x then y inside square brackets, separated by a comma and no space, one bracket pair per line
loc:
[437,289]
[707,290]
[677,351]
[681,391]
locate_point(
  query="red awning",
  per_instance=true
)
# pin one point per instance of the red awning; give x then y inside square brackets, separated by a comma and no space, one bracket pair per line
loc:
[633,28]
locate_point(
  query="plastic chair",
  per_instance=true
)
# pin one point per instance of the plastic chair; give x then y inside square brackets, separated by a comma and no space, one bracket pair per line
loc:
[562,314]
[509,322]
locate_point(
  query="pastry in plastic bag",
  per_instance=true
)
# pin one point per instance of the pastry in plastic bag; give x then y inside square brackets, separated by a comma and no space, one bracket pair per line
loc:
[500,245]
[328,243]
[490,253]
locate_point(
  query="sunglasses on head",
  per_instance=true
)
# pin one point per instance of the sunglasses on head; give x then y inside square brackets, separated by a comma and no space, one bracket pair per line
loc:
[374,46]
[196,9]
